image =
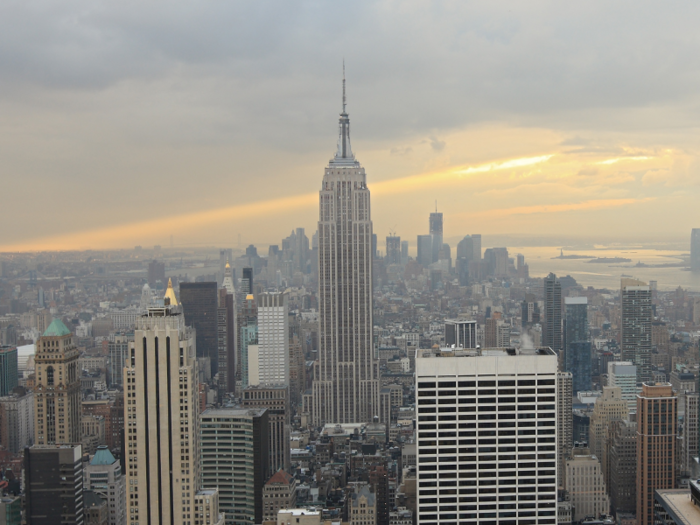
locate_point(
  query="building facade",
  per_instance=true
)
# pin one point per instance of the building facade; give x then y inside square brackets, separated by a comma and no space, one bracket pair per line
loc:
[486,436]
[276,400]
[273,340]
[460,332]
[657,431]
[565,424]
[162,451]
[635,333]
[577,346]
[57,390]
[235,459]
[346,385]
[9,374]
[103,475]
[53,485]
[622,466]
[200,305]
[17,421]
[552,327]
[585,484]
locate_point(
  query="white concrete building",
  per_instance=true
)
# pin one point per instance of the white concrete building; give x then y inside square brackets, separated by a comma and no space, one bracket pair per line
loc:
[272,359]
[486,436]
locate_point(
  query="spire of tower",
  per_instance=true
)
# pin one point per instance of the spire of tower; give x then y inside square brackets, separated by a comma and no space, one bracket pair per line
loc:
[344,100]
[344,154]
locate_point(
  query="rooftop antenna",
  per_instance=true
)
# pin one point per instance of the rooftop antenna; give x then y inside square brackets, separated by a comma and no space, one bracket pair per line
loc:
[343,86]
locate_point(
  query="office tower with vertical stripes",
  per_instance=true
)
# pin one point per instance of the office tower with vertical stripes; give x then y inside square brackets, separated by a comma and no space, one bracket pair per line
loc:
[161,424]
[346,385]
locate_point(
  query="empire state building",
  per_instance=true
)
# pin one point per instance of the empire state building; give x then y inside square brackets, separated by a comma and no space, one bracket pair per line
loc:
[346,385]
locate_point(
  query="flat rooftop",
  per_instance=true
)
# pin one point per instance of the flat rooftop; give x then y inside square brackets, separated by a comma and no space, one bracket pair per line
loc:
[483,352]
[678,504]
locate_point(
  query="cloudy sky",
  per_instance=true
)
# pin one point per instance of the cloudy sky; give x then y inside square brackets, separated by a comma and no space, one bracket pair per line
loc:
[124,123]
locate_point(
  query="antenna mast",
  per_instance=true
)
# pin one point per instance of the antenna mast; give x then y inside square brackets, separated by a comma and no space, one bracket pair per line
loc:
[343,86]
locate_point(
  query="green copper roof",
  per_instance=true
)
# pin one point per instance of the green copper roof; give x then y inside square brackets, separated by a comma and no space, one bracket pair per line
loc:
[56,328]
[102,457]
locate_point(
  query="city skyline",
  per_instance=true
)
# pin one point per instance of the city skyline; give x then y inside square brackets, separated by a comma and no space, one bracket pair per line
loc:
[540,146]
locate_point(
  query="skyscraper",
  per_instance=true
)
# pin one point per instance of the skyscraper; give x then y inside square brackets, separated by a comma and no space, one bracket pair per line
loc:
[273,341]
[346,386]
[200,303]
[8,369]
[235,459]
[156,273]
[695,250]
[657,429]
[635,298]
[103,475]
[551,331]
[476,243]
[577,346]
[436,233]
[276,400]
[486,436]
[424,255]
[54,484]
[57,392]
[226,330]
[393,249]
[565,424]
[162,419]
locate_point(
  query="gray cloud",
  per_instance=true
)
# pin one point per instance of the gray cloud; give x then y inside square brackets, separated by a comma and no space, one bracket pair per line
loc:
[216,98]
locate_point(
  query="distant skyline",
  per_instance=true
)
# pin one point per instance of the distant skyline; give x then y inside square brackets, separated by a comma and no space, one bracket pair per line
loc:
[124,124]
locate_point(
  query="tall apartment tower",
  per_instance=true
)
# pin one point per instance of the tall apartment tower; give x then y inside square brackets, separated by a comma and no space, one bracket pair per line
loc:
[460,332]
[657,429]
[200,305]
[551,331]
[273,341]
[695,250]
[476,243]
[565,424]
[346,385]
[162,419]
[436,233]
[393,249]
[57,409]
[486,436]
[577,346]
[54,485]
[635,334]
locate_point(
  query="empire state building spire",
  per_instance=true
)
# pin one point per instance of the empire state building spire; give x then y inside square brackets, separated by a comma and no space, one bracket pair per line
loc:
[344,154]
